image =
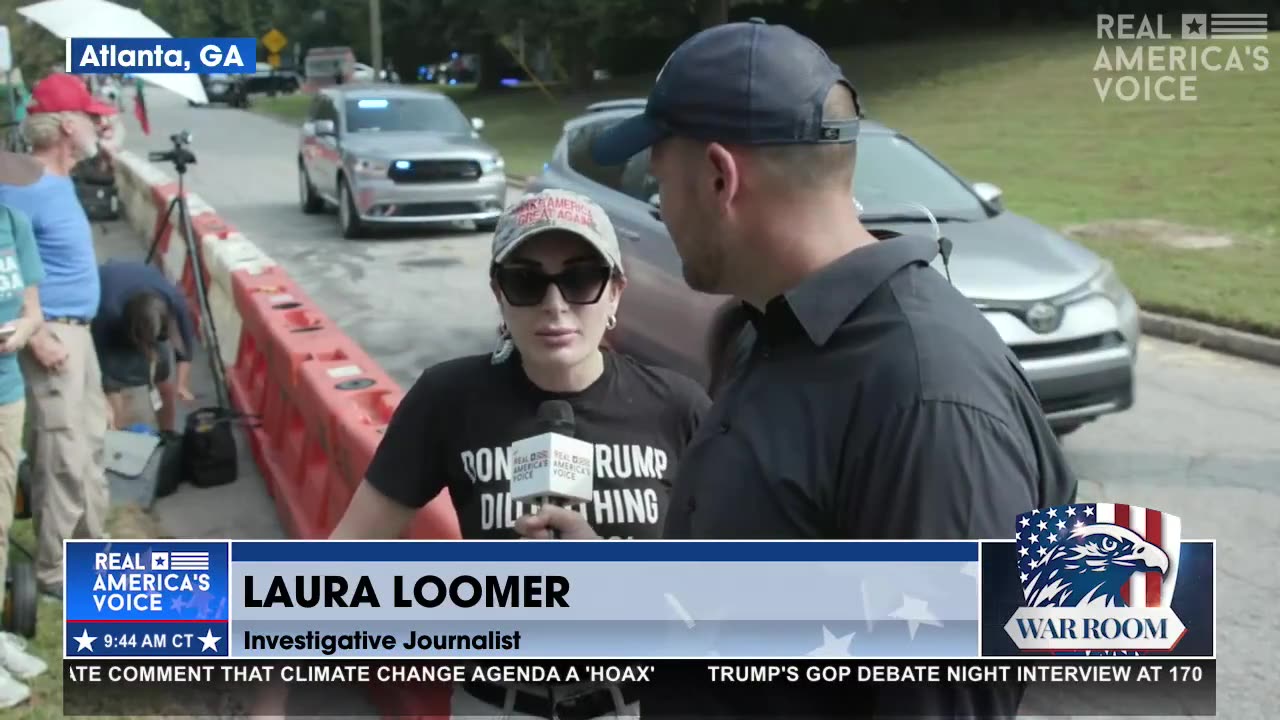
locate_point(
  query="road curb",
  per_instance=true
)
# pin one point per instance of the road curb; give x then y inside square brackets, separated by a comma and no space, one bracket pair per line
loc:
[1258,348]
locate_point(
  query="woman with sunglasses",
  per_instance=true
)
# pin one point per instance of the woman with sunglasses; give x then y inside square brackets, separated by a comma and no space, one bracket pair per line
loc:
[557,276]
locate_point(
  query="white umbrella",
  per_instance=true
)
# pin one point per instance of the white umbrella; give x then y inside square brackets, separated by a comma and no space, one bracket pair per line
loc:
[99,18]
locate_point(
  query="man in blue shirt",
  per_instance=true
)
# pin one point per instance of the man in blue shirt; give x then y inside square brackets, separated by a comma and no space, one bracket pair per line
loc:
[140,317]
[66,407]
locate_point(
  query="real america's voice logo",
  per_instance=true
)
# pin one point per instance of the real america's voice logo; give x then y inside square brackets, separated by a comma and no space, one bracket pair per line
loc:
[1097,579]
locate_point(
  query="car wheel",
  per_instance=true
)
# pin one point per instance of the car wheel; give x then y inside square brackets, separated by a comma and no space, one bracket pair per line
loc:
[348,216]
[311,202]
[487,225]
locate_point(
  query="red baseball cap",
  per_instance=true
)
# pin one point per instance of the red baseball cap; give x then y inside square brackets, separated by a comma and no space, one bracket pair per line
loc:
[61,92]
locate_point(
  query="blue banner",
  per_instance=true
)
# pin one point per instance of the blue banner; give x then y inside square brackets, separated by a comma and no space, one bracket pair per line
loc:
[202,56]
[147,598]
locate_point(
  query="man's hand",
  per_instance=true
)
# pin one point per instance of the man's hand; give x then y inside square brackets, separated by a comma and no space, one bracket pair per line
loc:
[185,394]
[49,351]
[570,524]
[23,329]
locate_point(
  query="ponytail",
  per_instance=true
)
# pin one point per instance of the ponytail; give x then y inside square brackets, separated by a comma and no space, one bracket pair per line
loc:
[146,318]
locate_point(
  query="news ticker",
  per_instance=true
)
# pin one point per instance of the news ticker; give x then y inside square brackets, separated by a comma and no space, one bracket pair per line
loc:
[201,56]
[324,600]
[1056,687]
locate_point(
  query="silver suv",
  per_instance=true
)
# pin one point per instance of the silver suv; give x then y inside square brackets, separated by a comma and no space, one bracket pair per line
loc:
[387,154]
[1060,307]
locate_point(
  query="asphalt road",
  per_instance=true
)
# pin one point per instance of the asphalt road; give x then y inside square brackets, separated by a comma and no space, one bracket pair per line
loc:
[1203,441]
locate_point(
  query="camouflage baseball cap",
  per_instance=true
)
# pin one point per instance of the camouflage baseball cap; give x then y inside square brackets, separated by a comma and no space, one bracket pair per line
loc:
[556,210]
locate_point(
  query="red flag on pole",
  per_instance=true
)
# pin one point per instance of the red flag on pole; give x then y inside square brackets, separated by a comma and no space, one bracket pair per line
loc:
[140,109]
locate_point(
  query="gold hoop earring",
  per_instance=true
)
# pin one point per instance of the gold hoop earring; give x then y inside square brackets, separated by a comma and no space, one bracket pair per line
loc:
[611,323]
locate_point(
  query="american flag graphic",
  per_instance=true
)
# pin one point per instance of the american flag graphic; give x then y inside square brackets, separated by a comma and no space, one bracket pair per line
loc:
[1098,554]
[1238,26]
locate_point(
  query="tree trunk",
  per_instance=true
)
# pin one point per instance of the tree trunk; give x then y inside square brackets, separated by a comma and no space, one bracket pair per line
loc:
[577,59]
[712,12]
[491,62]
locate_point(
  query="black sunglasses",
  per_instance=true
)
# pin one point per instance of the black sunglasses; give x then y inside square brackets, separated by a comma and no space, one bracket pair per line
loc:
[578,284]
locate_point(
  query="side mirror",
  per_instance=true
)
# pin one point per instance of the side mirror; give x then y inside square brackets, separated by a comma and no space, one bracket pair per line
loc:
[989,193]
[477,124]
[325,127]
[655,205]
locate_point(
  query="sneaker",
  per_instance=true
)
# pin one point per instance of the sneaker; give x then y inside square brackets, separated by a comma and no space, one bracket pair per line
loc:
[15,659]
[12,692]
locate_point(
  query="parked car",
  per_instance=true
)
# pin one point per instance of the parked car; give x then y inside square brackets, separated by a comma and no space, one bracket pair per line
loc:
[232,90]
[386,154]
[1060,307]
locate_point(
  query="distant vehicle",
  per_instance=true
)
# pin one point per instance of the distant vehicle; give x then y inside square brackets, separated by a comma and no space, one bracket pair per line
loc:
[273,80]
[232,90]
[388,154]
[1060,307]
[328,66]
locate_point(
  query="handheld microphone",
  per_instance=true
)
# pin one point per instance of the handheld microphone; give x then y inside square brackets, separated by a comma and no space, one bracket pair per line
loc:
[553,466]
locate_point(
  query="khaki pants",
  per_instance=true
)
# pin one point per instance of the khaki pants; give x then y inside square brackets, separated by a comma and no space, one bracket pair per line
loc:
[68,426]
[11,420]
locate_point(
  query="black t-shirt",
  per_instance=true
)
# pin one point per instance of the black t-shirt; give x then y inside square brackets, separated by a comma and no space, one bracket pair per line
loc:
[455,426]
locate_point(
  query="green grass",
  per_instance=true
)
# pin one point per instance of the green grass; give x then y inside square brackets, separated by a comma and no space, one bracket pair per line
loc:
[46,690]
[1021,110]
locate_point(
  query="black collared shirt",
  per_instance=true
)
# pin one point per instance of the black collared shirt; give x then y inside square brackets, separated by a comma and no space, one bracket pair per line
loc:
[875,402]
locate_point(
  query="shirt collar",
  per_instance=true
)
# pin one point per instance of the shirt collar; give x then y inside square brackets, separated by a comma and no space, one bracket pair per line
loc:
[825,299]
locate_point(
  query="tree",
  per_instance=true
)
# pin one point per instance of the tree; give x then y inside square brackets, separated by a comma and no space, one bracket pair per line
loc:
[712,12]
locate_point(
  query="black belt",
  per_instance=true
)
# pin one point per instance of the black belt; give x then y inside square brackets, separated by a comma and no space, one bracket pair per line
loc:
[70,320]
[590,704]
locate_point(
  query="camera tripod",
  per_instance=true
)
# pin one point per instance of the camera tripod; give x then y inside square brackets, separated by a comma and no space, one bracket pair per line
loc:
[181,157]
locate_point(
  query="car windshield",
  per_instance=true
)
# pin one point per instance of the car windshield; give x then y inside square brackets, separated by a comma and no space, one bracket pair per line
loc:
[892,173]
[406,115]
[319,67]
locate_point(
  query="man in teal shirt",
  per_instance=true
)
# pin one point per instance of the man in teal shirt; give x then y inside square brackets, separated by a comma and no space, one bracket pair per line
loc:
[20,317]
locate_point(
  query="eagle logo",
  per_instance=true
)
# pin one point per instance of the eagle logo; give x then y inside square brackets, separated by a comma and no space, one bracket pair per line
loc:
[1090,566]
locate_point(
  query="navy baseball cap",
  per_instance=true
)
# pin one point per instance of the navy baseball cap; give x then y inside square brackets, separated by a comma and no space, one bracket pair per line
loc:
[745,83]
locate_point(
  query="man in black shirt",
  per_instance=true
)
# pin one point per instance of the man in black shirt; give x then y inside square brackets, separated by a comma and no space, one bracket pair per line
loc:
[875,402]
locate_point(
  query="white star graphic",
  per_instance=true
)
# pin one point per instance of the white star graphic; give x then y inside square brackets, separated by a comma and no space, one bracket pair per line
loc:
[1022,552]
[1035,512]
[208,641]
[1025,522]
[1071,511]
[1035,539]
[1023,577]
[916,612]
[1043,525]
[1078,525]
[1043,551]
[1088,511]
[833,646]
[1053,538]
[1062,524]
[685,617]
[84,640]
[1053,512]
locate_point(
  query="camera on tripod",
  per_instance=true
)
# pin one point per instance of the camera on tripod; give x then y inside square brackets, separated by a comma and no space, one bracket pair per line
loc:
[180,156]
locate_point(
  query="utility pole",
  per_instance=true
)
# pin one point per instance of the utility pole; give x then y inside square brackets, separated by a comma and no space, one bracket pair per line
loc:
[375,38]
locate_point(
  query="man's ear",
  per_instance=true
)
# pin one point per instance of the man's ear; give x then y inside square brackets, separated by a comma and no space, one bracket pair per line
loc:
[724,173]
